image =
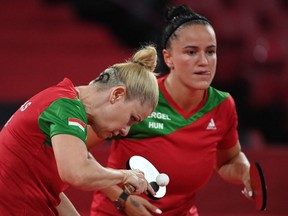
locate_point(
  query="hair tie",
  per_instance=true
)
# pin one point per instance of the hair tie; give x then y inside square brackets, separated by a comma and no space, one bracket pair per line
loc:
[104,77]
[140,63]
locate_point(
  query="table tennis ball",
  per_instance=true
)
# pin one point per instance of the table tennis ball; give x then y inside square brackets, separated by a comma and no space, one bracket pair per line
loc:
[162,179]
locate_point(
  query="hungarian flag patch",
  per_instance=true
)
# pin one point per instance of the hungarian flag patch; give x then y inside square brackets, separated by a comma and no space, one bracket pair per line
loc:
[76,122]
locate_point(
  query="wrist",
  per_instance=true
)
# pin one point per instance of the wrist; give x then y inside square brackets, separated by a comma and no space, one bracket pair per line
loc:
[121,200]
[124,176]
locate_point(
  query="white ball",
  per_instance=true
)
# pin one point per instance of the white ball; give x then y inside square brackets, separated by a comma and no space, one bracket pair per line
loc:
[162,179]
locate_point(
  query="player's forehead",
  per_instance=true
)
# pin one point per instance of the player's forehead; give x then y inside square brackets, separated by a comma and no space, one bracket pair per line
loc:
[194,37]
[197,32]
[139,110]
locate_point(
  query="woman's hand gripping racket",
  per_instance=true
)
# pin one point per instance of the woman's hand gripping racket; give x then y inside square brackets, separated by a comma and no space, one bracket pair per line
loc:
[156,180]
[258,186]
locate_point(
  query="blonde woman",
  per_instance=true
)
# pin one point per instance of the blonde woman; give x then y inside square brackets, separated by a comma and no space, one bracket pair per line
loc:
[43,145]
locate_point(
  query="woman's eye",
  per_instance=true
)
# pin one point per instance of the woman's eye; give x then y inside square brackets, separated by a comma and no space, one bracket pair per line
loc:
[133,119]
[191,52]
[211,52]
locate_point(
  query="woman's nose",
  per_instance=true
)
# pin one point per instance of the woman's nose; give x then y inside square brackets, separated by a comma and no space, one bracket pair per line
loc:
[203,58]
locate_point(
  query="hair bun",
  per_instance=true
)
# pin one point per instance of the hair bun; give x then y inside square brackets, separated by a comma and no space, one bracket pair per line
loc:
[146,57]
[177,11]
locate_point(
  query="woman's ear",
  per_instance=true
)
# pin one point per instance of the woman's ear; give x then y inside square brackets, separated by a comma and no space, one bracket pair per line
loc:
[167,58]
[117,93]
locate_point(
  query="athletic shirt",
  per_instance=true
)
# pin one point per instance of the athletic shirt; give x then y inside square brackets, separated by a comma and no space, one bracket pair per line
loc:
[180,144]
[29,179]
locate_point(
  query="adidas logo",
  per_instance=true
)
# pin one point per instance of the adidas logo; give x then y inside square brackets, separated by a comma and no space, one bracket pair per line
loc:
[211,125]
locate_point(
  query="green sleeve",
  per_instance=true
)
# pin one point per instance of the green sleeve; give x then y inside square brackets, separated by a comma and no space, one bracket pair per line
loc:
[64,116]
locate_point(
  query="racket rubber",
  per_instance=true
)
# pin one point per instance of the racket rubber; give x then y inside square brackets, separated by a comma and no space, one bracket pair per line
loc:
[259,186]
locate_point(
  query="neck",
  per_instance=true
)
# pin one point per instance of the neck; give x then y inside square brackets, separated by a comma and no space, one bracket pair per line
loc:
[83,95]
[187,99]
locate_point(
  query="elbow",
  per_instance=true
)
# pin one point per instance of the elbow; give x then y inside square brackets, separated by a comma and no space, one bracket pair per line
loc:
[74,179]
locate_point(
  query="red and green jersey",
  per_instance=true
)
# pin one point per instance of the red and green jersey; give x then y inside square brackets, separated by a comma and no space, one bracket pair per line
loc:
[180,144]
[29,179]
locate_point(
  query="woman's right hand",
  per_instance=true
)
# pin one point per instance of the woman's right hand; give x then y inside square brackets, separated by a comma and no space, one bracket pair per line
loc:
[137,180]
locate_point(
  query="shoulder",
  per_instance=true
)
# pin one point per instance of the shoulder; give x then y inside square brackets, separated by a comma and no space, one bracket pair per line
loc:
[65,82]
[213,92]
[217,95]
[221,100]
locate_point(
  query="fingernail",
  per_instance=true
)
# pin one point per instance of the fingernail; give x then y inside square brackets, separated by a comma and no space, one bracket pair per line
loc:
[158,211]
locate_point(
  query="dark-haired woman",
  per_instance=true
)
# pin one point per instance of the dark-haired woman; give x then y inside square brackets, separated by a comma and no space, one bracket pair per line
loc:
[192,131]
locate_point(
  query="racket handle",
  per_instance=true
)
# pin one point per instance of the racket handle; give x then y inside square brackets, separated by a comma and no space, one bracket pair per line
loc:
[129,189]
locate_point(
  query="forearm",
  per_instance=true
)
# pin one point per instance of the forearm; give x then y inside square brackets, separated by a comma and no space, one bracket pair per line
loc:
[93,176]
[66,208]
[236,169]
[112,192]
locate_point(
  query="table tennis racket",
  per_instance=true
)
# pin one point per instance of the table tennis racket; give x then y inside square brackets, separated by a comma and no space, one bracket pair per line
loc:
[150,172]
[258,186]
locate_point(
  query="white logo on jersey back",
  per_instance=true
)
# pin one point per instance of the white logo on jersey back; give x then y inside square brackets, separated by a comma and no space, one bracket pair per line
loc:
[211,125]
[25,105]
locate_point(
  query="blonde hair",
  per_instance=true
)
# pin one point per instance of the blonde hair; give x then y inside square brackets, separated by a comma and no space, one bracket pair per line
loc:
[136,74]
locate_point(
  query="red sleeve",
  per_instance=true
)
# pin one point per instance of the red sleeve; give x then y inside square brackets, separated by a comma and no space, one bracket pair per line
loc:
[230,115]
